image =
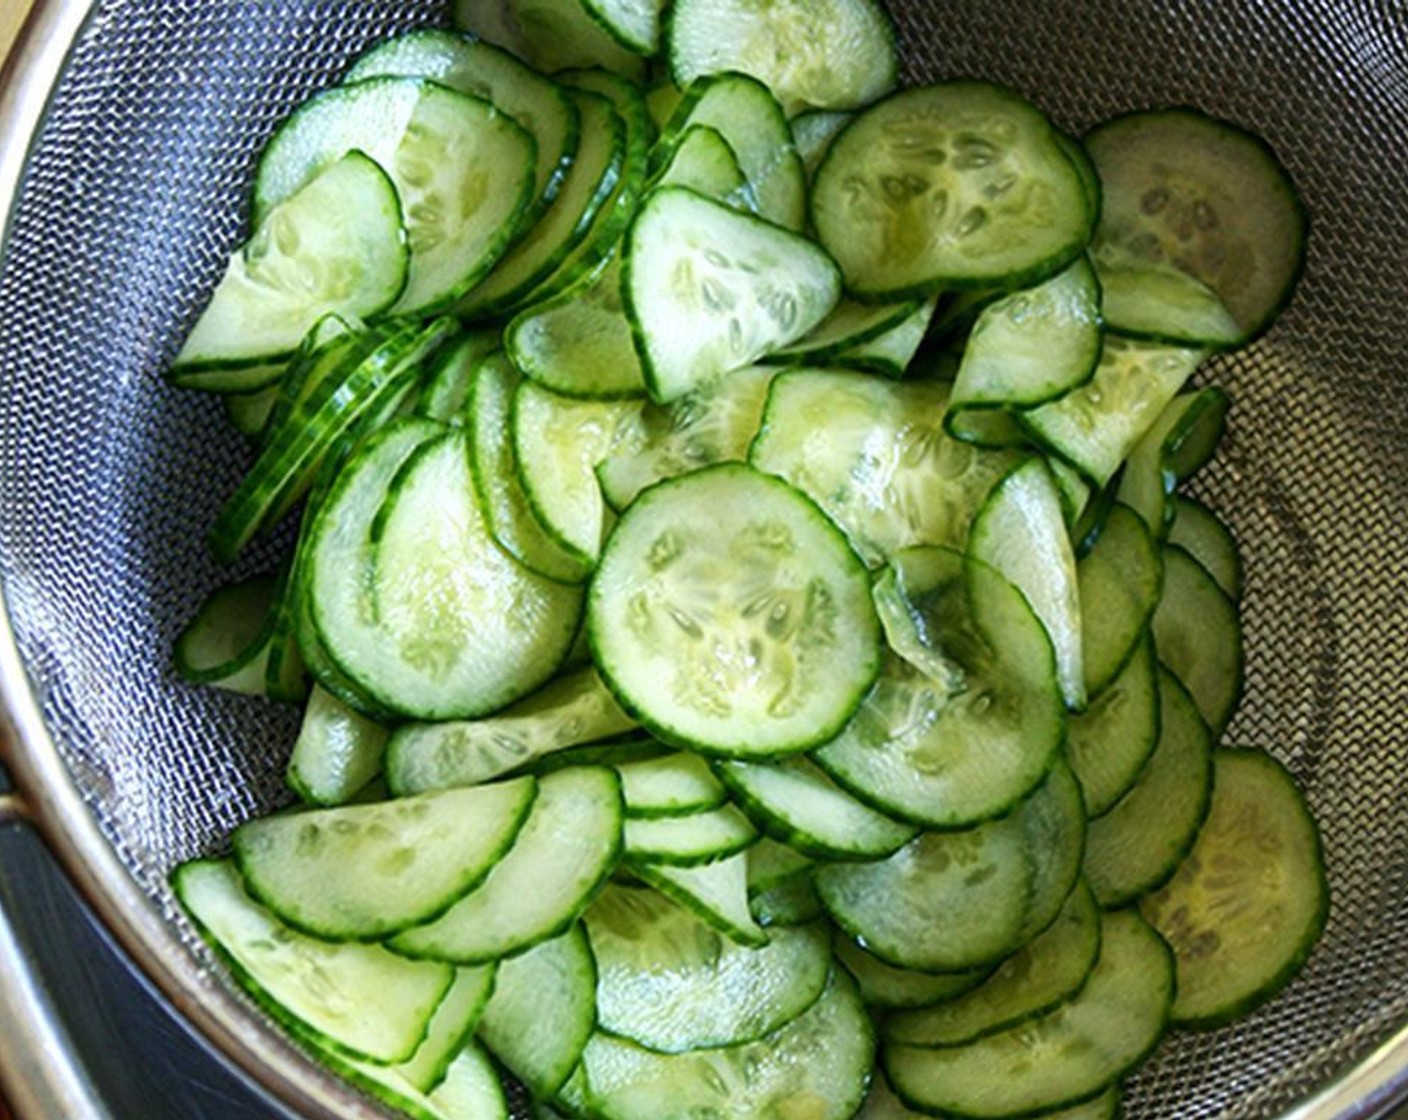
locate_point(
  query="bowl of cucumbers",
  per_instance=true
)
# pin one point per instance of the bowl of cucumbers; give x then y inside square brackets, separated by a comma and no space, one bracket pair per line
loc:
[722,560]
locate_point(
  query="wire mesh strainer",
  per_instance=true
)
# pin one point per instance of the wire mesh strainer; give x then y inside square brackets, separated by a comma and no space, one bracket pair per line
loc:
[133,196]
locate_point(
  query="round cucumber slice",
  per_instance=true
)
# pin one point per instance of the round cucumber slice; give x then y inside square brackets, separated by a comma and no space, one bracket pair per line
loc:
[729,614]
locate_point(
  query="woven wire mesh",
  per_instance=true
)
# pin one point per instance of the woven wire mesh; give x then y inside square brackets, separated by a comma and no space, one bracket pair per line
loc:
[109,479]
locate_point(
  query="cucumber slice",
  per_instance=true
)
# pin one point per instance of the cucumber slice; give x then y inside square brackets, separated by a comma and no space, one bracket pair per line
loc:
[1119,581]
[451,1029]
[227,641]
[813,131]
[1203,246]
[249,410]
[560,858]
[728,614]
[748,116]
[790,903]
[689,839]
[555,982]
[447,389]
[771,863]
[547,34]
[635,24]
[1245,908]
[671,983]
[572,709]
[1135,846]
[470,1090]
[891,353]
[796,803]
[1199,637]
[353,999]
[709,289]
[1109,743]
[671,785]
[1044,973]
[957,185]
[464,172]
[816,1066]
[1053,821]
[1072,1053]
[1021,532]
[832,54]
[704,161]
[849,324]
[1206,538]
[333,246]
[362,871]
[716,892]
[1179,441]
[874,456]
[884,985]
[413,599]
[337,752]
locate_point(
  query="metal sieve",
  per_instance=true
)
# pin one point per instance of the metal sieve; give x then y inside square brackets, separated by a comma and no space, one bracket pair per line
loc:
[141,120]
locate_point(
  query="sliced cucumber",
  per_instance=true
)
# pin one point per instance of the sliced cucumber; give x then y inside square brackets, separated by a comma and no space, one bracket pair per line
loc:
[470,1090]
[337,752]
[335,245]
[547,34]
[1179,441]
[1246,906]
[689,839]
[227,642]
[447,388]
[1199,637]
[1206,538]
[704,161]
[709,289]
[956,185]
[450,1030]
[671,983]
[884,985]
[1119,582]
[673,784]
[362,871]
[1109,743]
[716,892]
[835,54]
[1201,236]
[560,857]
[730,615]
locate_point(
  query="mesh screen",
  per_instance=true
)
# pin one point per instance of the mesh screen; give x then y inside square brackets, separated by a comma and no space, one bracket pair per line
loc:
[109,479]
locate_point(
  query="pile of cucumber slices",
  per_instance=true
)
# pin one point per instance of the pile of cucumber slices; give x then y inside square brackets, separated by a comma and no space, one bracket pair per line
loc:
[760,659]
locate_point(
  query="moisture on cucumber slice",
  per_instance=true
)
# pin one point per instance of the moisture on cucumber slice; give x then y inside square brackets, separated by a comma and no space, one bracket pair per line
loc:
[358,999]
[793,902]
[1199,637]
[730,615]
[834,54]
[670,982]
[817,1066]
[709,289]
[337,752]
[1201,236]
[362,871]
[1072,1053]
[959,184]
[334,246]
[1249,901]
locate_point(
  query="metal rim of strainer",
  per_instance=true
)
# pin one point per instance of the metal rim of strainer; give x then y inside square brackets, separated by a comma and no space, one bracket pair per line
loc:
[47,796]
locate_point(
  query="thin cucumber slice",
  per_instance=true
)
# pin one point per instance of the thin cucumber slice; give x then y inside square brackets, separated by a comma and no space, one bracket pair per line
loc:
[1179,441]
[446,393]
[704,161]
[1044,973]
[709,289]
[957,185]
[813,131]
[1021,532]
[1199,637]
[689,839]
[834,54]
[676,783]
[362,871]
[891,353]
[1134,847]
[563,853]
[464,172]
[671,983]
[849,324]
[843,438]
[716,892]
[572,709]
[1206,538]
[337,752]
[750,119]
[471,1088]
[1109,743]
[964,740]
[635,24]
[1204,248]
[414,600]
[1248,903]
[249,410]
[450,1030]
[816,1066]
[557,444]
[790,903]
[1031,346]
[1070,1054]
[227,640]
[1119,581]
[771,862]
[795,802]
[1053,821]
[547,34]
[723,562]
[355,999]
[497,480]
[713,424]
[884,985]
[591,180]
[555,982]
[334,246]
[480,69]
[947,901]
[1097,425]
